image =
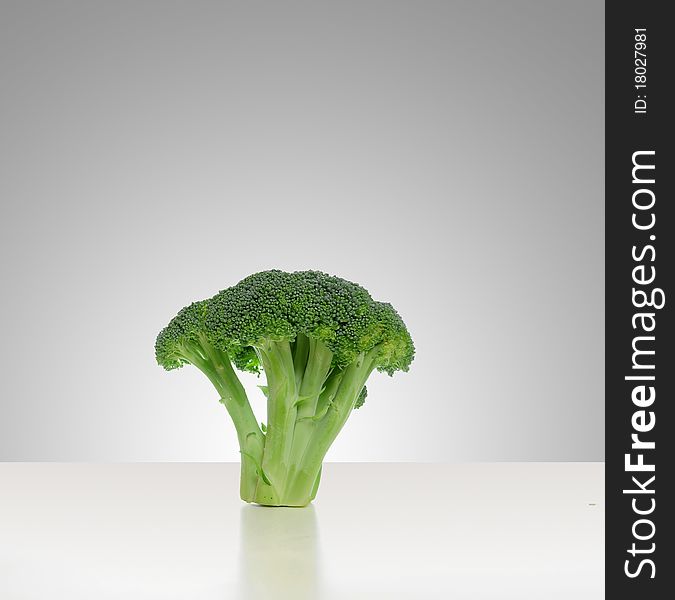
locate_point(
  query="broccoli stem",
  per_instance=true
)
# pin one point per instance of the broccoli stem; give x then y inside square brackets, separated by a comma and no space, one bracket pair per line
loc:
[302,487]
[217,367]
[282,394]
[300,348]
[317,368]
[308,403]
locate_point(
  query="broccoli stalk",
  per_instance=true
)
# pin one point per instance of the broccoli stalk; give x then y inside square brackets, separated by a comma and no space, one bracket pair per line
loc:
[317,339]
[216,365]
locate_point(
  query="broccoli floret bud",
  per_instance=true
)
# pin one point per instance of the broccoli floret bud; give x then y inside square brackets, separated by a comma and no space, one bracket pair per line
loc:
[317,338]
[181,333]
[362,398]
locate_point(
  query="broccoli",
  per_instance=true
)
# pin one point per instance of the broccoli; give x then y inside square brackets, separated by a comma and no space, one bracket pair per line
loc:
[317,338]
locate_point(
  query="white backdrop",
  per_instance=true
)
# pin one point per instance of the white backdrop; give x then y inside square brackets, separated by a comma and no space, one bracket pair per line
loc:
[447,156]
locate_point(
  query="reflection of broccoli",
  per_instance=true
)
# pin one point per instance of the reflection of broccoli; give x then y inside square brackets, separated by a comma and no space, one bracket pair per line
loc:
[317,338]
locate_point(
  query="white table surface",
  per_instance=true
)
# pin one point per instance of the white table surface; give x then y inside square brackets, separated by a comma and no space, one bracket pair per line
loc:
[389,530]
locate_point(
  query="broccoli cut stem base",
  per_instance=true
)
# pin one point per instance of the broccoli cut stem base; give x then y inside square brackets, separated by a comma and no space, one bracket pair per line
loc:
[302,493]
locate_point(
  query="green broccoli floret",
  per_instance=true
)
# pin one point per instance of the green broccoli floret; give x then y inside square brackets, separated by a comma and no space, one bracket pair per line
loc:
[317,338]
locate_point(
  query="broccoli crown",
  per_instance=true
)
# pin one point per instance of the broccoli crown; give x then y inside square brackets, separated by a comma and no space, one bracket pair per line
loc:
[277,306]
[180,334]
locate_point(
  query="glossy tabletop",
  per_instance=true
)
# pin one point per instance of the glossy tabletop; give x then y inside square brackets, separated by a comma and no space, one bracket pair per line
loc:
[178,531]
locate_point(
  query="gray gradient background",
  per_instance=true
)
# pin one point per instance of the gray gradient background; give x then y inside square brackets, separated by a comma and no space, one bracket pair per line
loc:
[446,155]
